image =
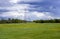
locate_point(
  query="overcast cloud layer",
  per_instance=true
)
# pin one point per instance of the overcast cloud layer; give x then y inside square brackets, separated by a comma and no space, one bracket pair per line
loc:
[30,9]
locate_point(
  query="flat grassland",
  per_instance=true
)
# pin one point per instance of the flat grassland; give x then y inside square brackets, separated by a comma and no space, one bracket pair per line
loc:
[30,31]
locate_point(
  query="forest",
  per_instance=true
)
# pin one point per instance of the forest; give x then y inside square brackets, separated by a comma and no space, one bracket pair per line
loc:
[25,21]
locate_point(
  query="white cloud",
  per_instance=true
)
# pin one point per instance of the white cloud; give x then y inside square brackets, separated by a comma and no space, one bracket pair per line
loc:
[43,15]
[30,15]
[16,11]
[12,15]
[14,1]
[32,0]
[19,10]
[38,14]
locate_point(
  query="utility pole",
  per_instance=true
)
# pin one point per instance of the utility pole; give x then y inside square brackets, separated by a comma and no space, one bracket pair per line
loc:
[26,15]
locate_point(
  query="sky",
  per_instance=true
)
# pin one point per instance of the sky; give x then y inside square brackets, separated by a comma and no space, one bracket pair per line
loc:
[30,9]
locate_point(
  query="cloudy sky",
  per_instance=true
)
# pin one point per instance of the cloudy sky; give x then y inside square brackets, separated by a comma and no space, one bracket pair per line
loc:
[30,9]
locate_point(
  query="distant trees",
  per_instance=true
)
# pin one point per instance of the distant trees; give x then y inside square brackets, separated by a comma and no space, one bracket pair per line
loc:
[12,21]
[47,21]
[24,21]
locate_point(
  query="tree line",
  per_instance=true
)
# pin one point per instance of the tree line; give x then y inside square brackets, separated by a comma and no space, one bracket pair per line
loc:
[25,21]
[47,21]
[12,21]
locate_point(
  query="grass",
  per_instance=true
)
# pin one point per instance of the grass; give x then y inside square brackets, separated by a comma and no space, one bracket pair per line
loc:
[30,31]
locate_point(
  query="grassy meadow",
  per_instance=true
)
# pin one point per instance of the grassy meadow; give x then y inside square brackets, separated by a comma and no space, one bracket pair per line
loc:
[30,31]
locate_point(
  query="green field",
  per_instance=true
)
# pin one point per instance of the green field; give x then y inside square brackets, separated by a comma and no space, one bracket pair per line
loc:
[30,31]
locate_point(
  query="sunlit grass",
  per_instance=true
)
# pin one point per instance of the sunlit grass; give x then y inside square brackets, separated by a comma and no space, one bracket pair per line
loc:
[30,31]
